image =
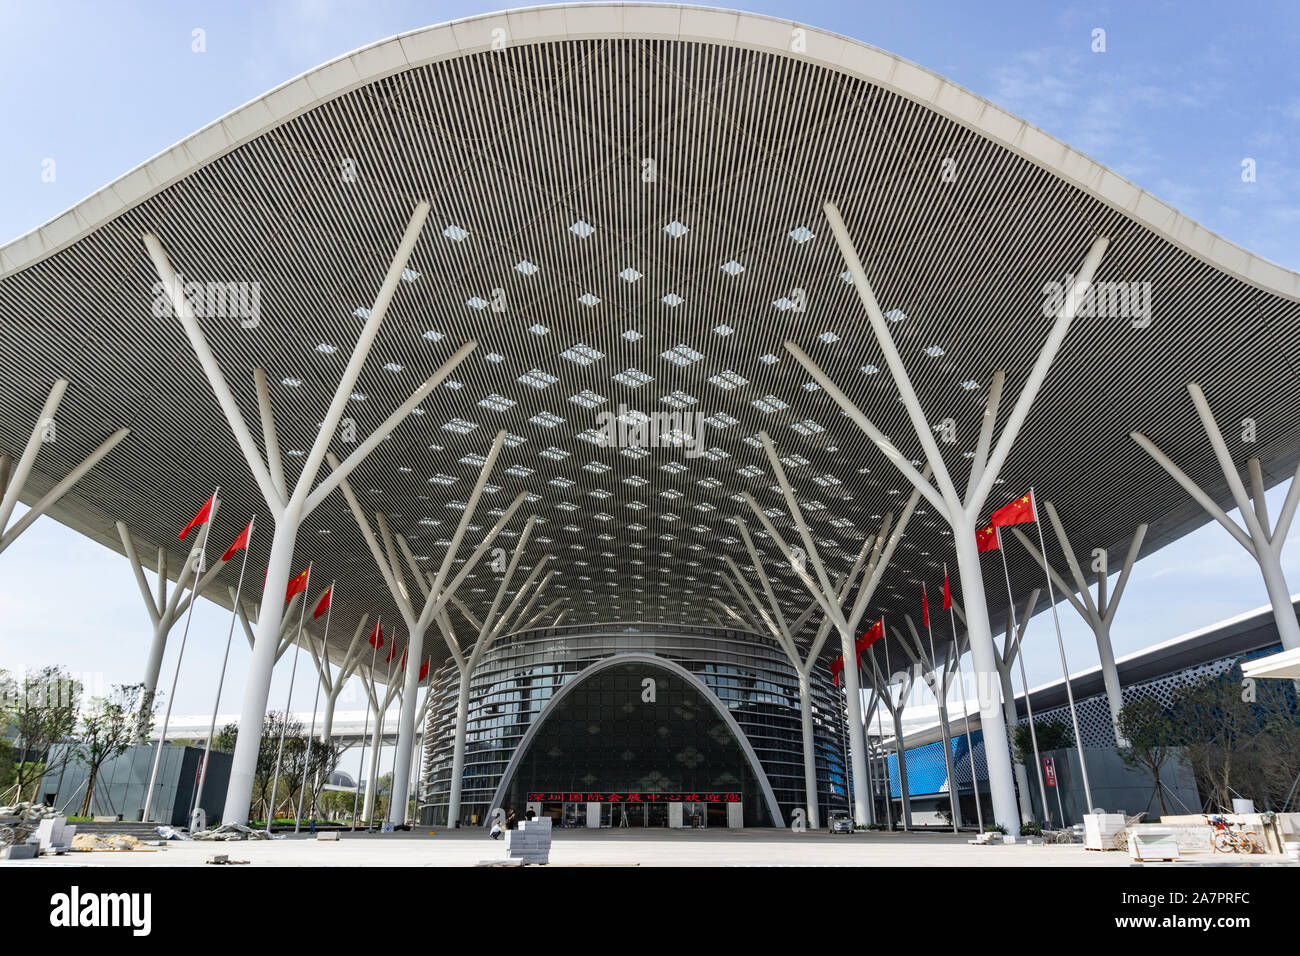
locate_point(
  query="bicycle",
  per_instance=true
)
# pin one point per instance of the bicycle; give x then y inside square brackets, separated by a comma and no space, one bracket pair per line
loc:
[1228,840]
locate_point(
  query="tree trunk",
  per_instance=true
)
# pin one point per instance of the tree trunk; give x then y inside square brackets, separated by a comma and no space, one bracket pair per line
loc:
[90,789]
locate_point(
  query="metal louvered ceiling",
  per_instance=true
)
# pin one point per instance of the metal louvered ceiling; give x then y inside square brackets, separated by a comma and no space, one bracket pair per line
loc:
[513,148]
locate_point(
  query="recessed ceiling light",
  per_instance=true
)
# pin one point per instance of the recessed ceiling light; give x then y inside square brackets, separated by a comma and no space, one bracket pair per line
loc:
[675,229]
[631,335]
[829,337]
[582,354]
[629,275]
[588,299]
[732,268]
[538,329]
[801,234]
[546,420]
[477,302]
[582,229]
[392,367]
[433,336]
[970,384]
[291,382]
[632,378]
[456,233]
[525,267]
[326,349]
[672,299]
[934,351]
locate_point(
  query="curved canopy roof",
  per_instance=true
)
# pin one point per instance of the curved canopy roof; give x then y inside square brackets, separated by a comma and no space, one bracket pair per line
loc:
[626,213]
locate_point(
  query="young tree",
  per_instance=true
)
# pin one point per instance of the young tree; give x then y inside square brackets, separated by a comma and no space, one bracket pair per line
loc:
[1052,735]
[264,772]
[42,712]
[107,728]
[1149,732]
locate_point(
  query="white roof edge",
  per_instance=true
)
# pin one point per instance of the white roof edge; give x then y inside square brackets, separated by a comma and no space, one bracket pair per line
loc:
[1164,645]
[650,21]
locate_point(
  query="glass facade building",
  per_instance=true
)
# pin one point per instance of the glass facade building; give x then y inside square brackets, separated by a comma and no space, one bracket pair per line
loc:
[566,715]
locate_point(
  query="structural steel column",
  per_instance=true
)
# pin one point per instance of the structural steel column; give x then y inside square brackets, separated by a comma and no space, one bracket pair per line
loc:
[1261,543]
[960,512]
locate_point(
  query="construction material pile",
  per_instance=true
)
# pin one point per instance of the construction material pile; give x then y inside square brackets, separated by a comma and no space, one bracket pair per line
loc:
[29,811]
[122,842]
[230,832]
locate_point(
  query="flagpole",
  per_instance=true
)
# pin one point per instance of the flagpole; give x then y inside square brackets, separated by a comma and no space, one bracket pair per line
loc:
[180,654]
[934,667]
[293,675]
[1033,733]
[880,738]
[365,726]
[392,782]
[1065,668]
[844,744]
[216,704]
[965,714]
[306,764]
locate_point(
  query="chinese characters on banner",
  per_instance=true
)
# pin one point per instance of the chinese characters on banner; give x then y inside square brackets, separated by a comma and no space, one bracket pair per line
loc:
[565,796]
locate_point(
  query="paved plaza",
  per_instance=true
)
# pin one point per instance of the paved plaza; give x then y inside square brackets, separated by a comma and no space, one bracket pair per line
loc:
[428,847]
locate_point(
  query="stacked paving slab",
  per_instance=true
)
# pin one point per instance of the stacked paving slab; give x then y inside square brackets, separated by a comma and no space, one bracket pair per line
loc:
[530,842]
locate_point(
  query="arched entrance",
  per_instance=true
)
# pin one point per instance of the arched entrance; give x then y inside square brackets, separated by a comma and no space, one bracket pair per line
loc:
[636,734]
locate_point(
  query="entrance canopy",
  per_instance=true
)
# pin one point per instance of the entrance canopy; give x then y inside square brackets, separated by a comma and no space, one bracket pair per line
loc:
[627,218]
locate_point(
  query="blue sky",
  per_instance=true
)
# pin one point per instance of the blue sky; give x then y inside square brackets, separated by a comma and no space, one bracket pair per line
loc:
[1183,93]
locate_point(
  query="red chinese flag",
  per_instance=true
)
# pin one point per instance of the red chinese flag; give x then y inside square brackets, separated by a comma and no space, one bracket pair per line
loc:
[204,514]
[377,637]
[876,632]
[947,595]
[424,670]
[324,604]
[1018,512]
[925,608]
[986,539]
[837,665]
[240,543]
[297,585]
[392,652]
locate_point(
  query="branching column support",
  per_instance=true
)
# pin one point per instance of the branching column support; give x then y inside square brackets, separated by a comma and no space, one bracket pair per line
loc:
[164,611]
[380,704]
[938,675]
[885,692]
[1011,646]
[1261,543]
[289,506]
[776,625]
[334,683]
[962,514]
[1099,612]
[436,590]
[492,626]
[13,477]
[845,624]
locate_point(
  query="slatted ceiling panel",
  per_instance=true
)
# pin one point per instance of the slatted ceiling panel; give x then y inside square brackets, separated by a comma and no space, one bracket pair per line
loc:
[515,147]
